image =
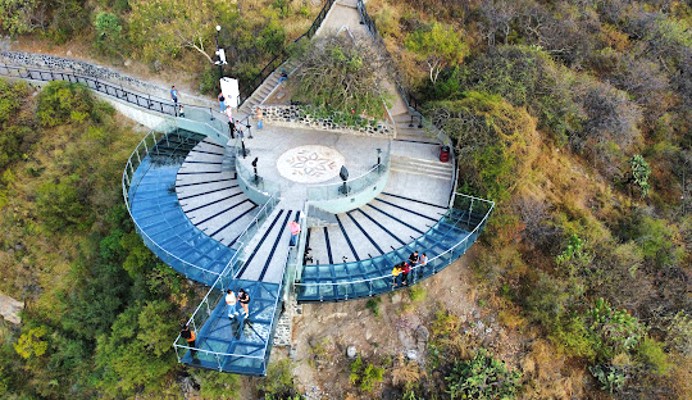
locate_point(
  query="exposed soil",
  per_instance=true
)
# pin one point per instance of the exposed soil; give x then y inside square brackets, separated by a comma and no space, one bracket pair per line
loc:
[324,331]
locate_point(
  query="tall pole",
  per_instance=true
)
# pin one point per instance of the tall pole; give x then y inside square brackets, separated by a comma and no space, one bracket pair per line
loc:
[218,53]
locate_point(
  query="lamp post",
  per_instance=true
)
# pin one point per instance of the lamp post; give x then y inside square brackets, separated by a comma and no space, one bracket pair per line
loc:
[343,174]
[220,53]
[249,128]
[254,166]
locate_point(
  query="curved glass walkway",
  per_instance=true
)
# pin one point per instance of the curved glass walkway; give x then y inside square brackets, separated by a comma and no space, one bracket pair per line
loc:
[443,243]
[157,215]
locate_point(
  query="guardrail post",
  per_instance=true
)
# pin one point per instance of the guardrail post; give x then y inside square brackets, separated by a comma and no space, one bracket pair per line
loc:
[468,221]
[211,114]
[218,362]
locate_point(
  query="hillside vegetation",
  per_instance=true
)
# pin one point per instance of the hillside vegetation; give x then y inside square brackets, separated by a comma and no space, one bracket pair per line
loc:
[588,251]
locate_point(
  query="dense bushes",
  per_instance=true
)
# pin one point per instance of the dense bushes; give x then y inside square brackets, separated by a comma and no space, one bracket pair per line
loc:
[100,311]
[495,141]
[341,76]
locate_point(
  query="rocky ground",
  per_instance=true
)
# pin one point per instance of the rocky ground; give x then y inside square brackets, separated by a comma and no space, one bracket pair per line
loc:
[324,334]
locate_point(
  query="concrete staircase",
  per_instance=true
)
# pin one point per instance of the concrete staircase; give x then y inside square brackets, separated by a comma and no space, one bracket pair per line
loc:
[267,87]
[418,166]
[405,132]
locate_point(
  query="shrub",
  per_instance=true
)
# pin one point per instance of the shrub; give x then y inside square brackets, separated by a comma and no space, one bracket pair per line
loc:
[482,378]
[365,376]
[494,140]
[417,293]
[62,102]
[279,381]
[610,377]
[373,304]
[341,76]
[109,38]
[651,352]
[618,330]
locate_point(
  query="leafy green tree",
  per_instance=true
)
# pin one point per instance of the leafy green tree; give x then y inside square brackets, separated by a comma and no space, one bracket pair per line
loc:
[279,381]
[163,28]
[483,378]
[109,37]
[16,16]
[63,102]
[62,204]
[439,46]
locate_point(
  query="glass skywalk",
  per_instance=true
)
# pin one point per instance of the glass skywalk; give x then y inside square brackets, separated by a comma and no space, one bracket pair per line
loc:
[158,217]
[444,242]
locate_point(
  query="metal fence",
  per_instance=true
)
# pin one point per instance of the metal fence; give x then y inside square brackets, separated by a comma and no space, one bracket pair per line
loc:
[246,90]
[411,101]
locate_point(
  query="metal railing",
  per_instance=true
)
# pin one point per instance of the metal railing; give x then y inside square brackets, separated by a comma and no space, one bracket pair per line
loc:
[139,99]
[248,89]
[411,101]
[381,283]
[354,186]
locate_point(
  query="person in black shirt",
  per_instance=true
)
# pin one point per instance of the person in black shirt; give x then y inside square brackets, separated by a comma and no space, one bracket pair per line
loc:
[413,259]
[244,299]
[190,336]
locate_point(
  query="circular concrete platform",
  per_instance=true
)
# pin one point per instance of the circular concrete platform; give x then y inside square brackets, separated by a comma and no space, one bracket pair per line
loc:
[310,164]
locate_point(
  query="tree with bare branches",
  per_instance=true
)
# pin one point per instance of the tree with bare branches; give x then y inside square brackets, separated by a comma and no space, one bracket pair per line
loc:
[343,74]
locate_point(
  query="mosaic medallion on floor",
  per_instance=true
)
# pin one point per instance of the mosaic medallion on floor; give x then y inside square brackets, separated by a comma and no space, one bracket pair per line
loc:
[310,164]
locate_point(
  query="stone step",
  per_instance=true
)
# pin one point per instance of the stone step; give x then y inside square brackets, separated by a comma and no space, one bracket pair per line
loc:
[421,172]
[433,165]
[417,166]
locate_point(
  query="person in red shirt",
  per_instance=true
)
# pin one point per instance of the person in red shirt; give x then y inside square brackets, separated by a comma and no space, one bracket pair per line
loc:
[405,271]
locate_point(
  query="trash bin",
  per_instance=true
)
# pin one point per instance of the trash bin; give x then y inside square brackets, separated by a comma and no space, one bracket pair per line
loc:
[444,153]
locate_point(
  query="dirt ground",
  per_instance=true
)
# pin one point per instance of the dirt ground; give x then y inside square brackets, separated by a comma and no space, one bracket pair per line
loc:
[324,331]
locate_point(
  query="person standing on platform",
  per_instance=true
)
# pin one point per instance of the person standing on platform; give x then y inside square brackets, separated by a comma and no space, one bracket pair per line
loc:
[396,274]
[422,261]
[295,230]
[259,116]
[231,123]
[413,258]
[232,303]
[222,102]
[244,300]
[174,95]
[190,336]
[405,271]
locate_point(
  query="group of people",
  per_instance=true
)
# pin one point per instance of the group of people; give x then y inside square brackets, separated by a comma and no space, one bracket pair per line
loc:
[401,271]
[223,108]
[238,311]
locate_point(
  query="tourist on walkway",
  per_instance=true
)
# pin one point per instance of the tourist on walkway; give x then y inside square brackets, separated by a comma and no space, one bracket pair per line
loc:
[396,274]
[405,270]
[232,303]
[222,102]
[244,300]
[283,77]
[294,226]
[181,111]
[422,262]
[190,336]
[413,258]
[259,116]
[231,123]
[174,95]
